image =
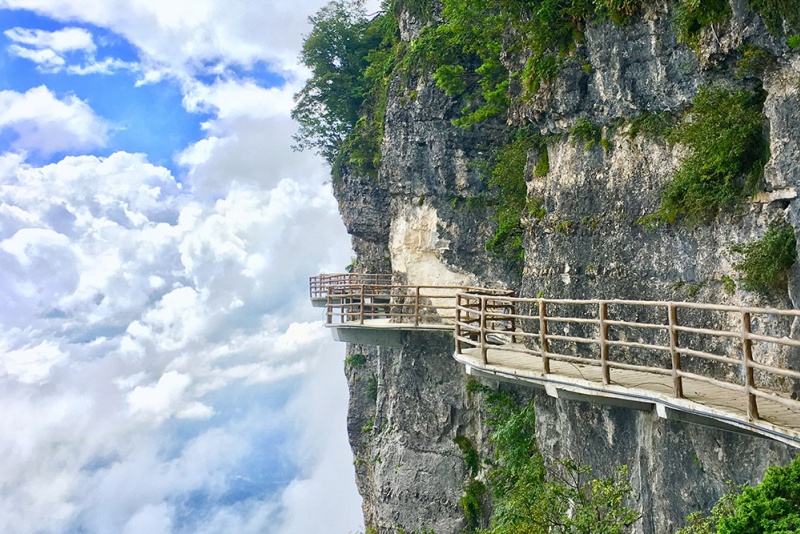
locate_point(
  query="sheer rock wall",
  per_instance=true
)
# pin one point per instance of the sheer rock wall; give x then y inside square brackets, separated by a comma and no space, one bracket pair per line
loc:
[408,404]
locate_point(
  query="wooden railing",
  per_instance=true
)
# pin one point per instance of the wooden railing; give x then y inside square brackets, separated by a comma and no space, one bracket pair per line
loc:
[734,364]
[318,285]
[740,349]
[402,304]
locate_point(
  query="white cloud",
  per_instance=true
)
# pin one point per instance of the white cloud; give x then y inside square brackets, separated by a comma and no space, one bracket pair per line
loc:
[69,49]
[46,58]
[207,35]
[151,519]
[253,152]
[101,66]
[138,306]
[300,335]
[63,40]
[166,362]
[160,401]
[31,365]
[196,410]
[200,152]
[319,449]
[32,242]
[43,123]
[239,98]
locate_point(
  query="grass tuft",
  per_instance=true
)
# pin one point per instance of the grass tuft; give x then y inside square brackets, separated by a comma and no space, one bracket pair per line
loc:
[723,132]
[767,261]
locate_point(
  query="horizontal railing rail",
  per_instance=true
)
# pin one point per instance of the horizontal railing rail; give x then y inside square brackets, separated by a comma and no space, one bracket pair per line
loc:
[732,363]
[418,305]
[730,347]
[318,285]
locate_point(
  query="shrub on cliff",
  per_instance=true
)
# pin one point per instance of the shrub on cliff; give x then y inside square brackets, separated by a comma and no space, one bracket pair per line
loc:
[468,49]
[529,498]
[727,151]
[506,171]
[772,507]
[782,17]
[340,108]
[766,262]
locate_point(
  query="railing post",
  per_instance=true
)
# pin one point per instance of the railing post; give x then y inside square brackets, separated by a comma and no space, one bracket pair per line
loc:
[747,359]
[677,379]
[416,306]
[484,348]
[543,335]
[361,310]
[458,324]
[602,315]
[512,309]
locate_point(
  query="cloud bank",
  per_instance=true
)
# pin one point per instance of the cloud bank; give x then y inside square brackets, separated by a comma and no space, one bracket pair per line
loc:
[38,121]
[161,368]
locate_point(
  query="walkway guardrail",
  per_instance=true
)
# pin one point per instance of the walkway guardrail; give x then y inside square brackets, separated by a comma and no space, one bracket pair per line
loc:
[733,367]
[318,285]
[402,304]
[678,340]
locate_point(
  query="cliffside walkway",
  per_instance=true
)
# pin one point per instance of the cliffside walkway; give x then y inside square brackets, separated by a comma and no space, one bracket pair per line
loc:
[716,365]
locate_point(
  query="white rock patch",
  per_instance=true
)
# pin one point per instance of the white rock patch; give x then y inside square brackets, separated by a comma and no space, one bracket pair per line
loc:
[416,250]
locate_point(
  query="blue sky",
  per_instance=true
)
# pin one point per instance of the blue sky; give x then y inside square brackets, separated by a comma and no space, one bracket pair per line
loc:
[146,118]
[161,369]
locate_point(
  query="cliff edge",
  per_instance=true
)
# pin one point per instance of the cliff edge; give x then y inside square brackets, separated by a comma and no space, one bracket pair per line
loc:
[600,142]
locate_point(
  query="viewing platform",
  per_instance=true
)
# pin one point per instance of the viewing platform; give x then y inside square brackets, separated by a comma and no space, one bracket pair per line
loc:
[370,310]
[721,366]
[319,285]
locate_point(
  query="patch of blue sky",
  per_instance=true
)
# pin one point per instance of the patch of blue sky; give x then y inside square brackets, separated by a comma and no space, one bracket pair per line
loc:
[7,137]
[256,479]
[149,118]
[28,19]
[260,475]
[232,406]
[264,472]
[193,510]
[259,73]
[82,335]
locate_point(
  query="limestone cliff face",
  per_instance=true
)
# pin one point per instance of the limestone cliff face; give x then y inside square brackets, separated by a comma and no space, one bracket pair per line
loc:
[408,404]
[406,407]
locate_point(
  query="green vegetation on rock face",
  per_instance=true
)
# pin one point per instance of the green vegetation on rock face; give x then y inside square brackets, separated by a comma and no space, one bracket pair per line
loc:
[766,263]
[772,507]
[352,57]
[472,503]
[341,107]
[727,151]
[529,498]
[372,388]
[355,360]
[466,51]
[653,125]
[472,37]
[587,133]
[691,16]
[506,171]
[782,17]
[755,62]
[471,457]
